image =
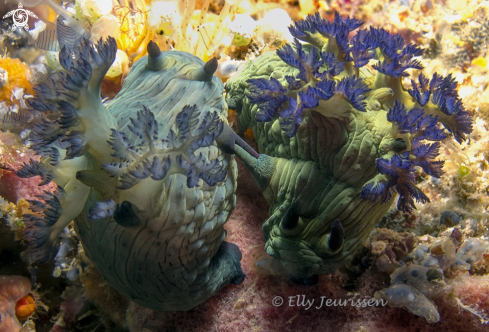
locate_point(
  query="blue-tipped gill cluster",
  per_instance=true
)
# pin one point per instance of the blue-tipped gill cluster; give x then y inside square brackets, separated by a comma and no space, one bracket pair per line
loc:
[143,176]
[153,157]
[335,74]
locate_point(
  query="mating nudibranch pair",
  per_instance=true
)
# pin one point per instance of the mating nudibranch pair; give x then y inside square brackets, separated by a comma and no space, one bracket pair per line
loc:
[150,179]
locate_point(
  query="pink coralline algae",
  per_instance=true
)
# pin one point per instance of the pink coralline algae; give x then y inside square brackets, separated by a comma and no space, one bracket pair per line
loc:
[12,289]
[252,305]
[13,155]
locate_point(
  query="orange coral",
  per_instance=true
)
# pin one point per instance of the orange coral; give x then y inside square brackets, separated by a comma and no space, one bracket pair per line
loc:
[12,289]
[25,306]
[18,77]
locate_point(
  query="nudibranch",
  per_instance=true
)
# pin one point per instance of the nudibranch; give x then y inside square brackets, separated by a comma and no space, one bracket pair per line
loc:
[143,177]
[340,136]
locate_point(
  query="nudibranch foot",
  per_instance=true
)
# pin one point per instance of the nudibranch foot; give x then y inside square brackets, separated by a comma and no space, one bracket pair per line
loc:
[228,265]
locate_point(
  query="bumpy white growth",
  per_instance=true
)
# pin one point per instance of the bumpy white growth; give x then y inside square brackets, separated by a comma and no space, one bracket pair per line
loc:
[104,27]
[469,252]
[473,249]
[402,295]
[93,9]
[422,278]
[275,25]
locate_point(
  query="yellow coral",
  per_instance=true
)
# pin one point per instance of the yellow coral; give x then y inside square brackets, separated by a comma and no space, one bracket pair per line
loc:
[18,77]
[134,35]
[22,207]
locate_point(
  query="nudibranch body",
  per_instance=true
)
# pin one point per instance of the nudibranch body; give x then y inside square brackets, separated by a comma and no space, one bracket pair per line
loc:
[144,179]
[340,136]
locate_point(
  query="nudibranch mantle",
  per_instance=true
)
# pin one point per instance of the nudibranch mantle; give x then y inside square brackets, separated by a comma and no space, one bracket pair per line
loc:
[144,179]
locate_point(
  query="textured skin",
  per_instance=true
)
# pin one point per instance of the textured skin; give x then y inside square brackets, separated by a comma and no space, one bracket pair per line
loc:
[323,166]
[161,244]
[171,261]
[341,136]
